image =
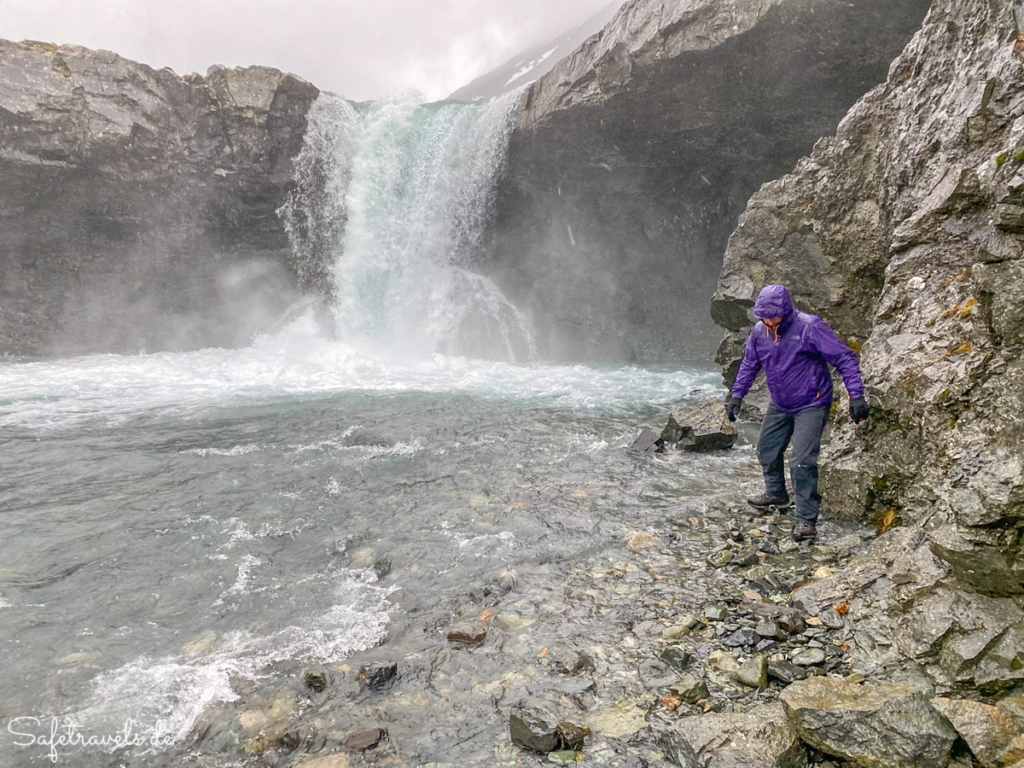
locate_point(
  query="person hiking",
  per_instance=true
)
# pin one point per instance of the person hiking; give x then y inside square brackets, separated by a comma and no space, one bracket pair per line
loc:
[794,348]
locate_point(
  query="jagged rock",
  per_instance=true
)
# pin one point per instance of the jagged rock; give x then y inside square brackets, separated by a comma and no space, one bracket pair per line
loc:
[754,672]
[994,734]
[689,688]
[741,637]
[676,112]
[379,676]
[723,662]
[761,738]
[676,657]
[703,428]
[649,441]
[785,672]
[535,738]
[874,726]
[716,612]
[159,216]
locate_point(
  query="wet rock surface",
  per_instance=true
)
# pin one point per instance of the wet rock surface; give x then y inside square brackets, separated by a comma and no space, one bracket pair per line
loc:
[901,232]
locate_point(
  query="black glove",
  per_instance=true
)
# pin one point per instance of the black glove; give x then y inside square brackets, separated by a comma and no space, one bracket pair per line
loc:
[859,410]
[732,408]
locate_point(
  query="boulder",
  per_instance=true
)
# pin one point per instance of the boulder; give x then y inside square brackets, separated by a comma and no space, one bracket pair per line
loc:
[761,738]
[702,428]
[995,735]
[874,726]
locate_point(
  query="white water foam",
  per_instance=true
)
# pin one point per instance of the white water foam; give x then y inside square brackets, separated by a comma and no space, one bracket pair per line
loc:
[168,695]
[4,603]
[298,362]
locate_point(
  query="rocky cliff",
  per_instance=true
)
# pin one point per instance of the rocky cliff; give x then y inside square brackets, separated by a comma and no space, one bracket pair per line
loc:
[138,207]
[906,232]
[635,156]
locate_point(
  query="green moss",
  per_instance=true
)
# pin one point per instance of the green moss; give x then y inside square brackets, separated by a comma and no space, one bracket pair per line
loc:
[1019,157]
[944,395]
[1001,159]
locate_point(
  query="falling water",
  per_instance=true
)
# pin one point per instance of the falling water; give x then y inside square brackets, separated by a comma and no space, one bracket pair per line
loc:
[389,216]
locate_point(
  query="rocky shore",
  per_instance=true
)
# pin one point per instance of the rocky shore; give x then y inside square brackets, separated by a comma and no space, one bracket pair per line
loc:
[708,639]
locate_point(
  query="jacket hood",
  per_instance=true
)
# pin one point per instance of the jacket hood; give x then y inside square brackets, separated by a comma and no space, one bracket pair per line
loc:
[773,301]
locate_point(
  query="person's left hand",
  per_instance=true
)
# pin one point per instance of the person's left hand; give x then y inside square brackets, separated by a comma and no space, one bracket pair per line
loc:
[732,408]
[859,410]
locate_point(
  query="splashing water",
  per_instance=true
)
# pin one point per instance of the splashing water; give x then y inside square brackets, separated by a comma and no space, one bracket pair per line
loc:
[390,213]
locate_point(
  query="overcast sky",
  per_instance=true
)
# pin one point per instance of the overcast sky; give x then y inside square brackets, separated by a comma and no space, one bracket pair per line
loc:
[362,49]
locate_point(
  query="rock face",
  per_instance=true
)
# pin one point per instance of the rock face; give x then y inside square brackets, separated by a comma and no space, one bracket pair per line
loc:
[138,207]
[886,726]
[635,156]
[904,233]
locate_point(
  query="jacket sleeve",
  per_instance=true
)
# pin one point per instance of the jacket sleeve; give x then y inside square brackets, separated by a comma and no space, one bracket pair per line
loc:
[748,370]
[837,354]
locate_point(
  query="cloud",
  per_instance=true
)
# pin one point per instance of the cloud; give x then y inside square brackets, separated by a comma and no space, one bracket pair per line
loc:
[362,49]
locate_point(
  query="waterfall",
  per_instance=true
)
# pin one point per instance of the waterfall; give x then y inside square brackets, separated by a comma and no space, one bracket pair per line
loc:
[389,216]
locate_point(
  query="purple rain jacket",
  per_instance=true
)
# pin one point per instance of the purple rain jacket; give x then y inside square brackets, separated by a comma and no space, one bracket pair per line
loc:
[795,358]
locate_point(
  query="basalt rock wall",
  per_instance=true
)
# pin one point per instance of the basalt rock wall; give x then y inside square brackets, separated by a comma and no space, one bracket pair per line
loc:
[635,156]
[138,208]
[906,232]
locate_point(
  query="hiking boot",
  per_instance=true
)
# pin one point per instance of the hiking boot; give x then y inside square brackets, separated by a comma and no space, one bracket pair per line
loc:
[803,532]
[764,501]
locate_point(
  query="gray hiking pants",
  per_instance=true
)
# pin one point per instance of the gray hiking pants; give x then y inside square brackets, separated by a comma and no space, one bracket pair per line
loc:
[804,430]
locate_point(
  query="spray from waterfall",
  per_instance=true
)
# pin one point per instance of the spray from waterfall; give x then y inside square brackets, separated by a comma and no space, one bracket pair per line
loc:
[390,215]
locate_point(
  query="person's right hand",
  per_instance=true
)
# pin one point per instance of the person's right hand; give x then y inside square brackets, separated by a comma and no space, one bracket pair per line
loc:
[732,408]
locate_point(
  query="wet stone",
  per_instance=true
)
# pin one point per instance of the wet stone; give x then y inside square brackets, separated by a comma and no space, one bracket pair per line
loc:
[716,612]
[720,559]
[366,740]
[690,689]
[576,663]
[675,657]
[721,661]
[316,680]
[377,677]
[808,657]
[469,634]
[754,672]
[785,672]
[746,559]
[741,637]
